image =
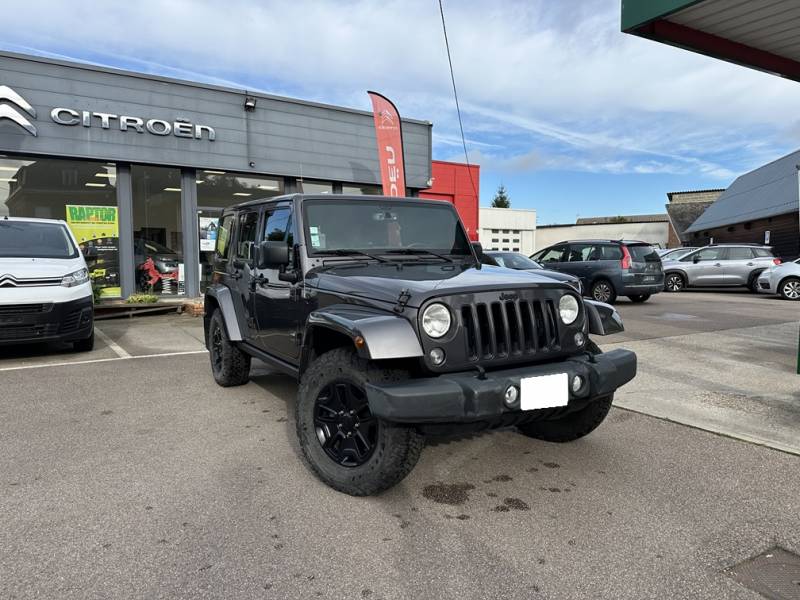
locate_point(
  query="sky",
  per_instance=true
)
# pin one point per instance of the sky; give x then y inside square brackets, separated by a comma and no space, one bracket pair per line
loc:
[574,117]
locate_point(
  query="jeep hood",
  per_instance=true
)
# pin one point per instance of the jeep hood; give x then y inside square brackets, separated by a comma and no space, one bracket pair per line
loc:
[384,282]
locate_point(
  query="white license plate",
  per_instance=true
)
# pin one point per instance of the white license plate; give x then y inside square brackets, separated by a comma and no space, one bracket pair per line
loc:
[650,278]
[545,391]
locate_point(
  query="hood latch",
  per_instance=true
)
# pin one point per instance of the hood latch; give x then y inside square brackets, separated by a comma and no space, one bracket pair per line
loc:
[402,300]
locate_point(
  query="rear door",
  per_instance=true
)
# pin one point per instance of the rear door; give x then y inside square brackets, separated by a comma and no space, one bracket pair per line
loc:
[241,270]
[739,263]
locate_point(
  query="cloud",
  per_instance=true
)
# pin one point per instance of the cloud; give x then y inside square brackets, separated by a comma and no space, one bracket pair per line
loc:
[544,85]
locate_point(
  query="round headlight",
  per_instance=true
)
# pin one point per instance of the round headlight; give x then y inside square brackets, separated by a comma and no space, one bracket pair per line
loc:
[568,309]
[436,320]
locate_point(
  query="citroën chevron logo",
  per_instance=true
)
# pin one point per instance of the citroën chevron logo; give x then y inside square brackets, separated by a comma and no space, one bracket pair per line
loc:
[11,103]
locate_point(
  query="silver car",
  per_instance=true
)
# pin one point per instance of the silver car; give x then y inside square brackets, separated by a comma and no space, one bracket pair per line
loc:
[675,253]
[727,265]
[781,279]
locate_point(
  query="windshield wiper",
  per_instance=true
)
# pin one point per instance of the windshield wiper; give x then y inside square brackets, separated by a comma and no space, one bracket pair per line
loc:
[349,252]
[419,251]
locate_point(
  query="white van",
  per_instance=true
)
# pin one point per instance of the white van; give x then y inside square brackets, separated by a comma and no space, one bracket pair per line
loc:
[45,292]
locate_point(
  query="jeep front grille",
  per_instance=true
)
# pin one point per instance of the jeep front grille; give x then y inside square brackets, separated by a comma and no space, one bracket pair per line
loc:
[509,328]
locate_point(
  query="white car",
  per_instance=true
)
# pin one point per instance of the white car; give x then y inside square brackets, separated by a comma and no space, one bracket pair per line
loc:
[783,279]
[45,292]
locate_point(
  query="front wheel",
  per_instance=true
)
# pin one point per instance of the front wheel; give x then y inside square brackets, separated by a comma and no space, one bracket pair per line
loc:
[674,282]
[603,291]
[639,298]
[790,288]
[229,365]
[343,443]
[86,345]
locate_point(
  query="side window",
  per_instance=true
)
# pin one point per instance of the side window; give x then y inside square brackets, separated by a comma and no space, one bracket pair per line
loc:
[740,254]
[224,236]
[762,252]
[552,255]
[609,252]
[247,228]
[278,228]
[580,252]
[708,254]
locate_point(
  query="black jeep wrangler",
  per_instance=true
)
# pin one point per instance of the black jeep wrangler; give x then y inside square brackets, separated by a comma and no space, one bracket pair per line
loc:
[381,308]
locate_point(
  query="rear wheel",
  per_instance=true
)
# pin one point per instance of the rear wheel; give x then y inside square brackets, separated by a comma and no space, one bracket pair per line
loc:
[674,282]
[639,298]
[229,365]
[603,291]
[789,288]
[752,283]
[344,444]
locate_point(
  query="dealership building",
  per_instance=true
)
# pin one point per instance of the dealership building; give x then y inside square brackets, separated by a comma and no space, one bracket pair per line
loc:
[141,166]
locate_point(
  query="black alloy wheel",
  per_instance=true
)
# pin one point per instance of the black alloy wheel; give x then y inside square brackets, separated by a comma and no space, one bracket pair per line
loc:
[216,347]
[674,282]
[345,427]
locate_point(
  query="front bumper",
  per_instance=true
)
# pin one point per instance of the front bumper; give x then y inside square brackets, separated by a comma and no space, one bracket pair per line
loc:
[764,285]
[464,397]
[46,322]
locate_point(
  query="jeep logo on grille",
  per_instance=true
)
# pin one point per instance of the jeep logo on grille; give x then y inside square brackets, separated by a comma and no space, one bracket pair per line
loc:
[509,296]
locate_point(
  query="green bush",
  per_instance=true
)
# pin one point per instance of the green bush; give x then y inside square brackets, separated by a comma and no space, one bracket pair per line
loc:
[141,299]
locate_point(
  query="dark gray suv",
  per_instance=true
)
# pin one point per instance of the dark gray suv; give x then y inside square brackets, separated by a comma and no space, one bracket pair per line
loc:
[608,268]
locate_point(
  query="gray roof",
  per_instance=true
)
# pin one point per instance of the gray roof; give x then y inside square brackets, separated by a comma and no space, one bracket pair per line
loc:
[766,192]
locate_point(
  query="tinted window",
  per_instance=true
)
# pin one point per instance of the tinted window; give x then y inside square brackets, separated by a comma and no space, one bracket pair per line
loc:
[740,254]
[35,240]
[643,253]
[579,252]
[382,224]
[554,254]
[246,235]
[224,236]
[516,261]
[609,252]
[276,225]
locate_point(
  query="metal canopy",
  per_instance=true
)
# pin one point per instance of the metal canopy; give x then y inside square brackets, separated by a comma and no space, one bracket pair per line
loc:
[762,34]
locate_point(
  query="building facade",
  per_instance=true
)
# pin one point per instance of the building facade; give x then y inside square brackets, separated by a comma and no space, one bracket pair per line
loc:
[684,208]
[653,229]
[141,166]
[459,184]
[508,229]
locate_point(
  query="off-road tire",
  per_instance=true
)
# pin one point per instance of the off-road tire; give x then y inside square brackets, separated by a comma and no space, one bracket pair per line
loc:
[601,293]
[786,285]
[229,365]
[674,282]
[574,425]
[86,345]
[639,298]
[397,450]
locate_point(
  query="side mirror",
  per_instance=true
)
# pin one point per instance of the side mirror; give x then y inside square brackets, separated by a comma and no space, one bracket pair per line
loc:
[272,254]
[696,258]
[478,248]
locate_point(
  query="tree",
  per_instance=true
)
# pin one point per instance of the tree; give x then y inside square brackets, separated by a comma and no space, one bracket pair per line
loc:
[501,199]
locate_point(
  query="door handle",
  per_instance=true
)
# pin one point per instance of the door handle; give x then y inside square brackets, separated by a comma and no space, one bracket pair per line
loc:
[751,264]
[718,265]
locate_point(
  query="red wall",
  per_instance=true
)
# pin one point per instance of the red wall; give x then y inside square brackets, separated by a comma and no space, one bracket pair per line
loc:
[451,183]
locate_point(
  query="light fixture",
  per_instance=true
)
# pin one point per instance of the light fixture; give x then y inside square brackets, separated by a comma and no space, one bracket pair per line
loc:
[241,194]
[91,184]
[172,189]
[213,172]
[11,179]
[9,168]
[249,103]
[268,187]
[109,175]
[199,181]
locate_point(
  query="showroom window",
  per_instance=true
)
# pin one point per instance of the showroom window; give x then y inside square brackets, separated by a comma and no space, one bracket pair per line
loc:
[158,230]
[307,186]
[82,193]
[217,190]
[362,190]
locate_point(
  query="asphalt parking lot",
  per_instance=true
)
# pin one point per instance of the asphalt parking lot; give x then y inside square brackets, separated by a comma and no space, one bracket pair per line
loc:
[126,473]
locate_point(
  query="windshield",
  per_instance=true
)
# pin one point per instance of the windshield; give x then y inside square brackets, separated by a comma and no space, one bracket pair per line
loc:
[21,239]
[382,225]
[643,253]
[515,261]
[676,254]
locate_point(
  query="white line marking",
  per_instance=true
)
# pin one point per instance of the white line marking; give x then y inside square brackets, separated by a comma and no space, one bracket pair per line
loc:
[102,360]
[118,350]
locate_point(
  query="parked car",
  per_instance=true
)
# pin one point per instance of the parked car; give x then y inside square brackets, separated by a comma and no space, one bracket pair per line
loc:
[45,292]
[719,265]
[520,262]
[607,268]
[675,253]
[382,311]
[783,279]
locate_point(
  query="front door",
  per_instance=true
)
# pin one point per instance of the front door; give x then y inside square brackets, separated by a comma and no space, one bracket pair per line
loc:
[277,300]
[705,267]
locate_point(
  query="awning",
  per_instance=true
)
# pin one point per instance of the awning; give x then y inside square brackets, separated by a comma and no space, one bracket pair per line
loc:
[762,34]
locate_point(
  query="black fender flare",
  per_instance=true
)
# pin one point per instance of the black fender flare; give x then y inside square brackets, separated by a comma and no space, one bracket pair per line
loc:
[222,297]
[603,319]
[386,335]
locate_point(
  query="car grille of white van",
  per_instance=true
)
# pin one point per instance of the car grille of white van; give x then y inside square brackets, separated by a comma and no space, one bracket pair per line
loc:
[9,281]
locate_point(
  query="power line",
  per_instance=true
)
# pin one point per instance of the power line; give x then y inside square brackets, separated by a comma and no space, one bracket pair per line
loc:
[458,108]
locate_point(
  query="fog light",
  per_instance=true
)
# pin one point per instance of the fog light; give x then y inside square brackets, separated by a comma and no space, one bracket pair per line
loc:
[580,339]
[577,384]
[511,395]
[437,356]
